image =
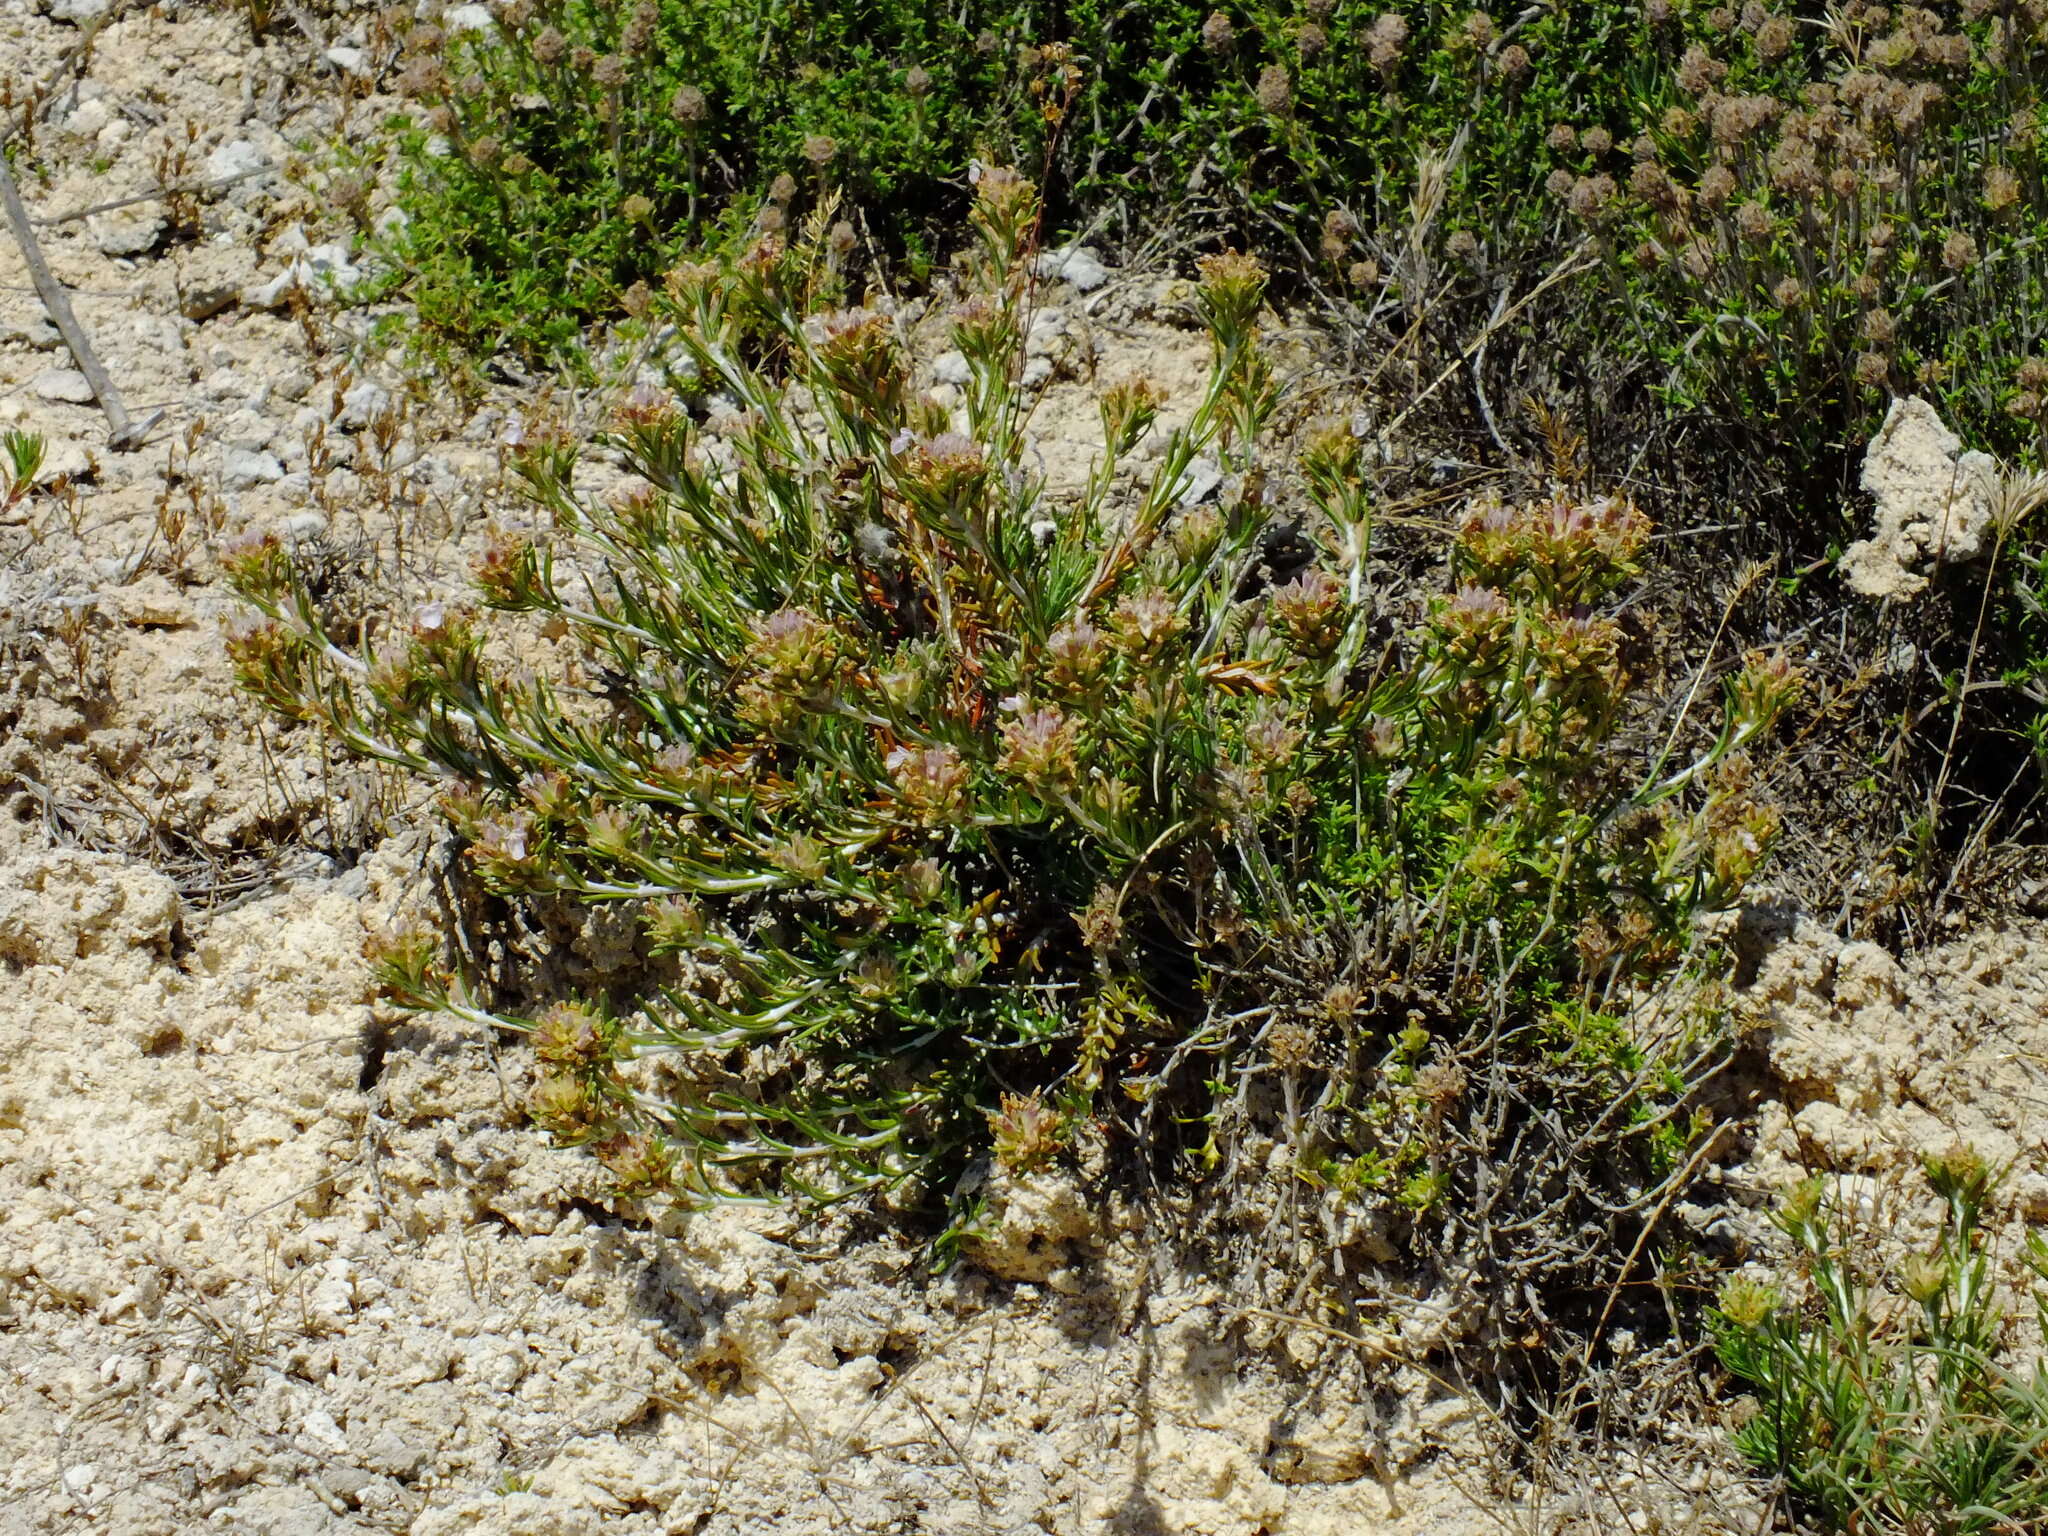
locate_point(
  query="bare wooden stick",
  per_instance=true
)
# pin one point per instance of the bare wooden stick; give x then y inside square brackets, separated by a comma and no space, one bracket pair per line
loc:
[122,432]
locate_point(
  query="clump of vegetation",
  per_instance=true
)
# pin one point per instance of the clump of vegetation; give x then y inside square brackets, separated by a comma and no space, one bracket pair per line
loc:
[566,156]
[1393,150]
[968,819]
[1808,214]
[1890,1412]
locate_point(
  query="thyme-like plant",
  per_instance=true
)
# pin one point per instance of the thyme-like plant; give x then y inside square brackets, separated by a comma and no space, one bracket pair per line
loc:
[1887,1412]
[1813,212]
[965,814]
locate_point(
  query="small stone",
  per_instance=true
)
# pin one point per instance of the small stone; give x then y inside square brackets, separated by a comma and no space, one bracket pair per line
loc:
[350,61]
[79,12]
[205,303]
[1048,329]
[320,271]
[466,18]
[319,1427]
[952,368]
[63,386]
[394,1455]
[1936,503]
[36,331]
[363,403]
[89,119]
[1076,265]
[1199,482]
[236,159]
[65,462]
[131,231]
[244,471]
[347,1482]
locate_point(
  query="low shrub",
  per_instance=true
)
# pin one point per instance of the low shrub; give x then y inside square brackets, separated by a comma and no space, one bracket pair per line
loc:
[1890,1412]
[1394,151]
[1810,213]
[968,819]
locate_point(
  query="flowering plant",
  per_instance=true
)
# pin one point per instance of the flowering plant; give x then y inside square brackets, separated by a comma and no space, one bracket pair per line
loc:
[954,807]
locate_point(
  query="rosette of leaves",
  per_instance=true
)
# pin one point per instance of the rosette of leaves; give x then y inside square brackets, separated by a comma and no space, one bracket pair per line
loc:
[971,813]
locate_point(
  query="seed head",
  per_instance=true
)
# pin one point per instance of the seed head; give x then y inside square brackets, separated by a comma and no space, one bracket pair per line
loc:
[1040,747]
[642,1165]
[571,1036]
[2001,188]
[820,149]
[931,782]
[1924,1277]
[1075,655]
[1026,1132]
[639,29]
[1698,71]
[1275,90]
[1219,35]
[1385,39]
[1747,1303]
[563,1104]
[1145,621]
[1101,921]
[1591,196]
[1291,1046]
[423,77]
[688,105]
[1309,612]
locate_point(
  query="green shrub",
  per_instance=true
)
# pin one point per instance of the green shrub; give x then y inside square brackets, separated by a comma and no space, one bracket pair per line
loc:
[1392,150]
[1887,1412]
[964,815]
[578,149]
[1813,211]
